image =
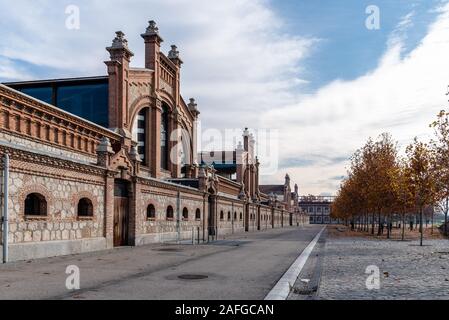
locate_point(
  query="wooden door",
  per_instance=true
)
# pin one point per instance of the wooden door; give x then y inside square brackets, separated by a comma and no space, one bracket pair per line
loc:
[246,217]
[211,216]
[120,221]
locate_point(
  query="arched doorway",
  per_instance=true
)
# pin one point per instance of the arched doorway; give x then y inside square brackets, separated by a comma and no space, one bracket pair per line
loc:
[246,217]
[211,221]
[121,212]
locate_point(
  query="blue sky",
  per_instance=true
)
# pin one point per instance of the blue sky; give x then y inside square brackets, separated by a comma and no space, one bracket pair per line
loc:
[348,49]
[309,69]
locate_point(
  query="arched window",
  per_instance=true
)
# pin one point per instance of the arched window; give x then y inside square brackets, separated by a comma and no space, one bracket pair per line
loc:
[85,208]
[185,151]
[229,215]
[140,128]
[221,215]
[164,137]
[198,214]
[185,214]
[235,215]
[169,212]
[151,212]
[35,205]
[241,216]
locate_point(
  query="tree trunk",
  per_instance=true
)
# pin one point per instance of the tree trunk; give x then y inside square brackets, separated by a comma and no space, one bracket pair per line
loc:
[372,225]
[420,226]
[445,222]
[403,226]
[378,225]
[445,216]
[431,226]
[388,226]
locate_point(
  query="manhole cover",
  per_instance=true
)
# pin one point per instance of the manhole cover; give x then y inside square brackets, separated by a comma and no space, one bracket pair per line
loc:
[192,276]
[168,250]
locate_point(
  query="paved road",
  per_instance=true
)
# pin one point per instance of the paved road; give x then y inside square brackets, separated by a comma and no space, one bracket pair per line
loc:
[246,266]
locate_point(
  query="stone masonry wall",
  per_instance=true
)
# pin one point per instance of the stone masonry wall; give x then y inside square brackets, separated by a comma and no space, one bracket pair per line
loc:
[230,217]
[265,218]
[162,228]
[61,222]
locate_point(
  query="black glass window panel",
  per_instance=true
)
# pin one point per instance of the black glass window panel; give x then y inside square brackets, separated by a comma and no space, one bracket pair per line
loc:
[41,93]
[86,101]
[141,135]
[164,138]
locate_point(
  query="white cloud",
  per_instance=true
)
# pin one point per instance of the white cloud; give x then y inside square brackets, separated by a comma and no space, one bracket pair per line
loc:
[243,69]
[10,71]
[238,60]
[402,96]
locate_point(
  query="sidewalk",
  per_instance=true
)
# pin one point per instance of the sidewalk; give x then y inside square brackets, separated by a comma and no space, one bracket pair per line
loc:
[407,271]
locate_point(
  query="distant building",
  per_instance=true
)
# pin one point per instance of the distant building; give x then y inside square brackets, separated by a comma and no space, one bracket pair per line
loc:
[318,208]
[281,196]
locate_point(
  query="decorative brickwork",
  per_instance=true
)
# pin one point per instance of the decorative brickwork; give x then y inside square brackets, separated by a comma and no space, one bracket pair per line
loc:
[65,158]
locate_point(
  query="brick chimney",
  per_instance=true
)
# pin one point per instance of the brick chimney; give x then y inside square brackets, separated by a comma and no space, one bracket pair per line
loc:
[152,45]
[287,180]
[246,139]
[173,55]
[118,67]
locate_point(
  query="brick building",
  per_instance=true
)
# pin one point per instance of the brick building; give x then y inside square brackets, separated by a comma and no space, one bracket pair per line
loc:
[91,162]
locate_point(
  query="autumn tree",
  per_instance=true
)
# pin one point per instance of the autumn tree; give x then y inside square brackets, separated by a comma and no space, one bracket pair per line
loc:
[422,177]
[369,188]
[440,146]
[404,192]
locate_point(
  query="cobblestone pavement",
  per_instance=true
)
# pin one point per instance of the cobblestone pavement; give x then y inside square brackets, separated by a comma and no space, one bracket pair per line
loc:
[407,271]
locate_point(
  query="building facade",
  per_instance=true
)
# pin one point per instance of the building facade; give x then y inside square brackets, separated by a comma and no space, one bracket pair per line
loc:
[317,208]
[109,161]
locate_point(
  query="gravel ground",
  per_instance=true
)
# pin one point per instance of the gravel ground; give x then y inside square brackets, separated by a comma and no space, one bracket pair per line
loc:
[407,271]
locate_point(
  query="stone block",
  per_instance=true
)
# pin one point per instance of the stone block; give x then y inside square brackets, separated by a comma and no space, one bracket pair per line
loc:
[27,236]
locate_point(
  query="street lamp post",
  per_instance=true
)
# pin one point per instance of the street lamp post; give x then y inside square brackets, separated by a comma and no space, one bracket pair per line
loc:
[5,207]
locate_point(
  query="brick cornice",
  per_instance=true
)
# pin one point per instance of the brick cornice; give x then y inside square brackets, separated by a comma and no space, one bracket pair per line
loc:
[168,186]
[31,157]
